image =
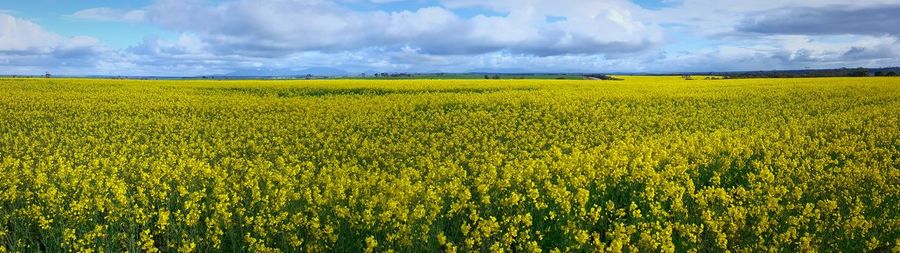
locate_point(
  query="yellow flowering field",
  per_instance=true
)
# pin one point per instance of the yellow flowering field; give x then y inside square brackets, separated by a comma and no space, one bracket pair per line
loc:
[648,164]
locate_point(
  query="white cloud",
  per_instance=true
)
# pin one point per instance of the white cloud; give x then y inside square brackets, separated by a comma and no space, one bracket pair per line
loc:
[109,14]
[17,35]
[513,35]
[27,48]
[279,27]
[22,37]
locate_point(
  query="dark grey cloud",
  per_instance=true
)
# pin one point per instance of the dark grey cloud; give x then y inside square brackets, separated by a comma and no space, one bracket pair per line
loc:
[873,52]
[830,20]
[57,58]
[77,52]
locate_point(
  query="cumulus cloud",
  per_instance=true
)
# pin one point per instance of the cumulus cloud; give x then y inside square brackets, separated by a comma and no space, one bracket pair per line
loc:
[216,37]
[26,47]
[279,27]
[23,37]
[17,35]
[185,45]
[26,39]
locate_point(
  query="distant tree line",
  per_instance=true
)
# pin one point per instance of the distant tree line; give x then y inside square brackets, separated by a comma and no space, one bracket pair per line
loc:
[601,77]
[842,72]
[393,75]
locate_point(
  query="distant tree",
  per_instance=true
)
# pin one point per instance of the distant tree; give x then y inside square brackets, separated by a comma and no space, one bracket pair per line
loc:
[861,72]
[892,73]
[879,73]
[47,75]
[487,77]
[496,77]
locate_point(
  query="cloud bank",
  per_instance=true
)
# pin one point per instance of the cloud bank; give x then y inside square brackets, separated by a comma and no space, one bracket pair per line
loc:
[532,35]
[829,20]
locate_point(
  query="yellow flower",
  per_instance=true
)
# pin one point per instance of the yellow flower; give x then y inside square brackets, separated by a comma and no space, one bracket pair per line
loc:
[371,243]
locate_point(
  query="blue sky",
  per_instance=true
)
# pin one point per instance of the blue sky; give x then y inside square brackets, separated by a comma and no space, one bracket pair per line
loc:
[205,37]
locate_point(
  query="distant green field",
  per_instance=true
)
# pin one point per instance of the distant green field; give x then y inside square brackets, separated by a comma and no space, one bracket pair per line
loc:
[647,164]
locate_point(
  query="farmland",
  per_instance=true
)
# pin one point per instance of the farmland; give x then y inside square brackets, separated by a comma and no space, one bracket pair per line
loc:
[647,164]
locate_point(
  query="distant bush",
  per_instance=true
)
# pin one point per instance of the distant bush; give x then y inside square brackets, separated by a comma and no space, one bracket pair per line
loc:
[601,77]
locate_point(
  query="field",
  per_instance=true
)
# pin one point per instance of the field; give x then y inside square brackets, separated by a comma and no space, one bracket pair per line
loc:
[648,164]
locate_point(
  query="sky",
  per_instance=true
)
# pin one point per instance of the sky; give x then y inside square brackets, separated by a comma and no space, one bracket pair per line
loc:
[212,37]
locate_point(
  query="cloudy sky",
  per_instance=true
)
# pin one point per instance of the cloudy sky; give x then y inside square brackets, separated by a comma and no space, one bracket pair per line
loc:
[202,37]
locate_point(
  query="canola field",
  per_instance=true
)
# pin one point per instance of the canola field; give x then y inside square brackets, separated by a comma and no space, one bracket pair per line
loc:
[648,164]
